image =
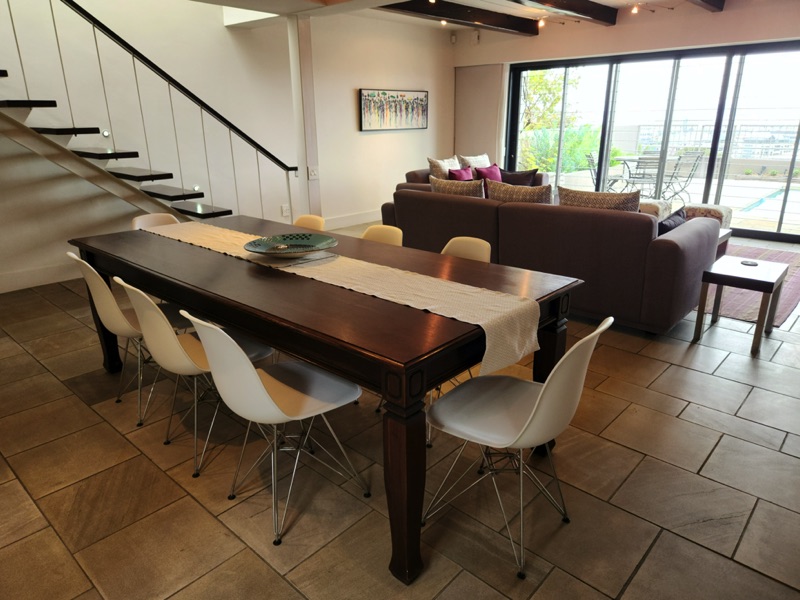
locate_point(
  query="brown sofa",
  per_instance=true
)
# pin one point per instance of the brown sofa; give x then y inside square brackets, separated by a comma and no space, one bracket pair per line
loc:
[642,280]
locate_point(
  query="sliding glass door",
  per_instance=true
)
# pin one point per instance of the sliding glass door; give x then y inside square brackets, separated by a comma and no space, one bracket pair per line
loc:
[719,126]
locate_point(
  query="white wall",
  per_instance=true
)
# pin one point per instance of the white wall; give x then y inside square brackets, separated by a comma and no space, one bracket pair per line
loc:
[359,170]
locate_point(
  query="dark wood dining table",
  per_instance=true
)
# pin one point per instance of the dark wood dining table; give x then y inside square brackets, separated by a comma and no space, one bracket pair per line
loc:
[391,349]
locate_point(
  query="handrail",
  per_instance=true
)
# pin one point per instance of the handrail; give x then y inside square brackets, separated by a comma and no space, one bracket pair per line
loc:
[173,82]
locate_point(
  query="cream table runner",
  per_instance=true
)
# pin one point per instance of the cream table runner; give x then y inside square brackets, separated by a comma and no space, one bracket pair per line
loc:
[509,322]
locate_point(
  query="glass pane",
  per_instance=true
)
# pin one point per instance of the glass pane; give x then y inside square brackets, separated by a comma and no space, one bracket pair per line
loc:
[582,125]
[692,129]
[640,107]
[540,120]
[758,185]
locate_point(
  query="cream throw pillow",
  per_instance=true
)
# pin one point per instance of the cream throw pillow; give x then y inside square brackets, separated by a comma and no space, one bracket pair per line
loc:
[481,160]
[505,192]
[440,167]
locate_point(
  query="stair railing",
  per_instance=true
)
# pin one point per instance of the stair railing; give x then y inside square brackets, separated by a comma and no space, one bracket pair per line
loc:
[172,84]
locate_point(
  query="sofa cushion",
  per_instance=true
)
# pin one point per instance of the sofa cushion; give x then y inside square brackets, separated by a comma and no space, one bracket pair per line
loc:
[440,166]
[676,219]
[473,188]
[628,201]
[464,174]
[491,172]
[518,177]
[505,192]
[481,160]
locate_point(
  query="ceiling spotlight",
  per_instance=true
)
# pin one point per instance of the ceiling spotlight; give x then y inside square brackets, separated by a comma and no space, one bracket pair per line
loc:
[541,22]
[635,9]
[443,22]
[432,1]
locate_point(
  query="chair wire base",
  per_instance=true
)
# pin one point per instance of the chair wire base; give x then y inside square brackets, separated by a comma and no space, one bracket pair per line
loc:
[301,443]
[491,463]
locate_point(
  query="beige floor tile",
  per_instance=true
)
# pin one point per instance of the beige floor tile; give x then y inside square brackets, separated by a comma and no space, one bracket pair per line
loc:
[21,517]
[692,356]
[601,546]
[33,308]
[633,368]
[702,388]
[761,374]
[18,367]
[39,327]
[95,386]
[694,507]
[770,475]
[130,564]
[92,594]
[5,471]
[594,379]
[739,342]
[668,438]
[364,573]
[352,419]
[677,568]
[622,338]
[64,461]
[771,543]
[560,585]
[243,576]
[590,463]
[596,410]
[44,423]
[53,345]
[8,347]
[101,505]
[775,410]
[318,512]
[39,566]
[123,415]
[788,354]
[735,426]
[485,554]
[30,392]
[77,362]
[790,446]
[466,585]
[643,396]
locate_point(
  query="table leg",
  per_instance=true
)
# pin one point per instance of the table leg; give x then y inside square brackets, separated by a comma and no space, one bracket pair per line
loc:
[701,313]
[404,463]
[762,318]
[552,346]
[717,303]
[773,305]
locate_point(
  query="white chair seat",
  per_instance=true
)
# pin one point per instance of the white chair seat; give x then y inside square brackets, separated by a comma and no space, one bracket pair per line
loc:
[490,411]
[301,392]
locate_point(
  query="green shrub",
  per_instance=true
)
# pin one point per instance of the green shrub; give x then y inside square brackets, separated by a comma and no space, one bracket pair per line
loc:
[748,171]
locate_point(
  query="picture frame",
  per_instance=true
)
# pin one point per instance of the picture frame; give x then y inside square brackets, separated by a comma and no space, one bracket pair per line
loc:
[382,110]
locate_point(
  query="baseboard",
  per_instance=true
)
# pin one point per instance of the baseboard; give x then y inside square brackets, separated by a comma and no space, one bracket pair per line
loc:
[354,219]
[20,280]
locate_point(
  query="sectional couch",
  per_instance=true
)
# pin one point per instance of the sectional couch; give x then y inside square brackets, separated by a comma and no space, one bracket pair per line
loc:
[643,280]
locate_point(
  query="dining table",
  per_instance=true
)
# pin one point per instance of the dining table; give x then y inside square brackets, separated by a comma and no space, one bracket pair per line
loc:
[392,349]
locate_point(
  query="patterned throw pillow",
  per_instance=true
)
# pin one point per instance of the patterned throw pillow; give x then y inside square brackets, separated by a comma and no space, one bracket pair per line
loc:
[481,160]
[440,167]
[505,192]
[626,201]
[518,177]
[460,188]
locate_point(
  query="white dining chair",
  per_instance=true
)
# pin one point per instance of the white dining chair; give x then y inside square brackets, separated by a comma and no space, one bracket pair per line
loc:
[310,222]
[278,394]
[505,415]
[386,234]
[183,356]
[152,220]
[469,247]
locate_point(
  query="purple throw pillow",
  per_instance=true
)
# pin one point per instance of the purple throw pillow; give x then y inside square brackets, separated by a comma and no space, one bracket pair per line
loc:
[492,173]
[460,174]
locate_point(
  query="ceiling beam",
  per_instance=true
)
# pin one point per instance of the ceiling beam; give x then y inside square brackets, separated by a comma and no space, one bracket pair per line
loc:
[466,15]
[712,5]
[586,10]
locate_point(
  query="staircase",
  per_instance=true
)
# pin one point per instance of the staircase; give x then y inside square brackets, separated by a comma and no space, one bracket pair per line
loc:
[159,126]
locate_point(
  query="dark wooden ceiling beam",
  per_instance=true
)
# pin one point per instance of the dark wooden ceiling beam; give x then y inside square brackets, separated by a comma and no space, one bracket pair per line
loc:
[712,5]
[466,15]
[585,10]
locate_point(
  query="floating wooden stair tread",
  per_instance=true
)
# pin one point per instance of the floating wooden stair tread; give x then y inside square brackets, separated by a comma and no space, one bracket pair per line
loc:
[27,103]
[137,174]
[169,192]
[105,153]
[201,211]
[66,130]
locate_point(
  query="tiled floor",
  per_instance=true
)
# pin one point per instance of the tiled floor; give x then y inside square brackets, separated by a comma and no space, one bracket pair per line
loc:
[681,472]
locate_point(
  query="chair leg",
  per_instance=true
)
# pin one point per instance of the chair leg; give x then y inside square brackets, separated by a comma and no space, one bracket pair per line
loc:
[122,373]
[167,440]
[353,473]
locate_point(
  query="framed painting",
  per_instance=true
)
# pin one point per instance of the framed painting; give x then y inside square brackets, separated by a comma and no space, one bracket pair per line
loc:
[393,109]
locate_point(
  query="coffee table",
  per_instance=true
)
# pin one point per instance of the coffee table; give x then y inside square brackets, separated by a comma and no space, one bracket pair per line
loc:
[757,275]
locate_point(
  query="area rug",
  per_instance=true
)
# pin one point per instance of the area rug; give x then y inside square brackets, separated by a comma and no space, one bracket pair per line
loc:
[743,304]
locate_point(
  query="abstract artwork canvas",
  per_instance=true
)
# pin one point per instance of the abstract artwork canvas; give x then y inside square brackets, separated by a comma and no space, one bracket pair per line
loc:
[393,109]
